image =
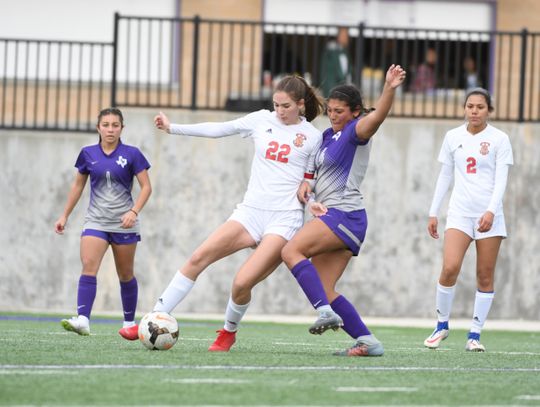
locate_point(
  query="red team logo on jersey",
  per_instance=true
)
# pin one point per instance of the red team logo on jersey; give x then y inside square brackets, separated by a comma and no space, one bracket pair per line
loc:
[299,140]
[484,148]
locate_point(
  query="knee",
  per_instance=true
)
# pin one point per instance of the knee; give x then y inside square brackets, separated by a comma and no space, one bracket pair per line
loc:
[197,259]
[289,254]
[449,274]
[89,265]
[241,290]
[484,279]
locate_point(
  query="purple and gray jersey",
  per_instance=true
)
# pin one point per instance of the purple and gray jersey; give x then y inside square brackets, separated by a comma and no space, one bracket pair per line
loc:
[341,166]
[111,181]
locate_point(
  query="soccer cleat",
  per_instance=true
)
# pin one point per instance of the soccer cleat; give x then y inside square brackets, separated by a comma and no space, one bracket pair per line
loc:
[473,345]
[326,321]
[434,340]
[224,341]
[77,325]
[363,347]
[130,333]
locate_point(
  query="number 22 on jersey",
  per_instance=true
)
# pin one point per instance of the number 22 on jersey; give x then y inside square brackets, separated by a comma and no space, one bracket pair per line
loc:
[276,152]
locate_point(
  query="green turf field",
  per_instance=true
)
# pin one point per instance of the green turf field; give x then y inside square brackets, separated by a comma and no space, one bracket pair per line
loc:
[271,365]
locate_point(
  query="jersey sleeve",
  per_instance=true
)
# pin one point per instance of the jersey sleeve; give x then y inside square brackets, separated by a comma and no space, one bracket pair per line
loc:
[504,154]
[82,162]
[242,125]
[446,154]
[140,162]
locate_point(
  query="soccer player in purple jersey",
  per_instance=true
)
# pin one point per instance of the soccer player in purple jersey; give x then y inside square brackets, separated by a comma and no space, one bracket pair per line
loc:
[339,227]
[111,219]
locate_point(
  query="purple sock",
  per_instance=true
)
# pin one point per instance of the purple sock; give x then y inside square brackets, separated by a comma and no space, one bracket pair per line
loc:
[352,323]
[306,275]
[129,291]
[86,295]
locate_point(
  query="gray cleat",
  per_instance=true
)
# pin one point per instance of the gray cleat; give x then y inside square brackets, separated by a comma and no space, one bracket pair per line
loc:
[327,320]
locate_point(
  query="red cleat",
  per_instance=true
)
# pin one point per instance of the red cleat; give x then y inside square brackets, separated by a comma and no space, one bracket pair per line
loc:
[224,341]
[130,333]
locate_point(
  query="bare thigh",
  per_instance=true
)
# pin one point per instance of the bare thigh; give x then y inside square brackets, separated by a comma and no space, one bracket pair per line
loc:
[456,244]
[92,251]
[262,262]
[124,257]
[224,241]
[314,238]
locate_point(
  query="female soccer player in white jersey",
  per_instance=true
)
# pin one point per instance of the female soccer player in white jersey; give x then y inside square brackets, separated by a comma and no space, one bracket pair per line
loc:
[111,218]
[339,228]
[476,156]
[270,214]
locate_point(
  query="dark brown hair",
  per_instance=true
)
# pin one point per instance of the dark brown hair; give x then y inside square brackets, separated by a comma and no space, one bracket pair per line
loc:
[351,97]
[297,88]
[482,92]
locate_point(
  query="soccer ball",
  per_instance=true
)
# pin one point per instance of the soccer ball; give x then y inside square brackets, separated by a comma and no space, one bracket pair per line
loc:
[158,331]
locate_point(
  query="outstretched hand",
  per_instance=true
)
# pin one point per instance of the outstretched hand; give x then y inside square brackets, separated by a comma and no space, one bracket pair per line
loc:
[162,122]
[395,76]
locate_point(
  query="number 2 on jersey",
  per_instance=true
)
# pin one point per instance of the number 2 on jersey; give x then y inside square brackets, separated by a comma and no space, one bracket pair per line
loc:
[471,165]
[276,152]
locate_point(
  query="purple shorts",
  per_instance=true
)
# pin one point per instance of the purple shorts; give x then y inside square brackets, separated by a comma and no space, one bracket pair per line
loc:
[348,226]
[113,237]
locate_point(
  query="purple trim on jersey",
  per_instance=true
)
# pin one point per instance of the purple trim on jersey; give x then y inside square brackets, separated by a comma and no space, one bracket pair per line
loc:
[350,227]
[112,237]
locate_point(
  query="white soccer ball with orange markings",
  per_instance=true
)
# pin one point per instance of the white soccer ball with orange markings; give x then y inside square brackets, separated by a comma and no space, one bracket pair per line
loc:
[158,331]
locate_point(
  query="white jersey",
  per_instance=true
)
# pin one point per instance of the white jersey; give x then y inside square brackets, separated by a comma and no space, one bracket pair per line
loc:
[284,154]
[474,159]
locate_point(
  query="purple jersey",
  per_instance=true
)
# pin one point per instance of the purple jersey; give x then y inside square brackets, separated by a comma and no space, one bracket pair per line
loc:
[111,181]
[341,166]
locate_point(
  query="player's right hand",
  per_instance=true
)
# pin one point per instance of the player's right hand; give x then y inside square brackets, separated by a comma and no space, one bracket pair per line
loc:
[60,225]
[432,227]
[162,122]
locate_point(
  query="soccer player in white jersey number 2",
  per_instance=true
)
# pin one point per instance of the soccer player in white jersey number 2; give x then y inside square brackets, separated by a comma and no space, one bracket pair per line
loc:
[339,227]
[111,218]
[285,147]
[477,157]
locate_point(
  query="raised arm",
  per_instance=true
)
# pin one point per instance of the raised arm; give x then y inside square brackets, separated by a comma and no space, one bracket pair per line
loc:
[367,127]
[208,130]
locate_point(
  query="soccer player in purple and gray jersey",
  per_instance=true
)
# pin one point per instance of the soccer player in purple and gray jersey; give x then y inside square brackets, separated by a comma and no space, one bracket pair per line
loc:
[111,219]
[339,227]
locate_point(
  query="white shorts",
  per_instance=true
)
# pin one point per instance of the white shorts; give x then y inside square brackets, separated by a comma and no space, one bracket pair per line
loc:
[260,222]
[469,226]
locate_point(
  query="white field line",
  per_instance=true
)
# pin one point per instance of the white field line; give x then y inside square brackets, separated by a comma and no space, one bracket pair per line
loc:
[282,368]
[529,397]
[208,381]
[376,389]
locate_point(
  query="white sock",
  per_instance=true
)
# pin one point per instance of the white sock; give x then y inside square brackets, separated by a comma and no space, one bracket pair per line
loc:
[482,304]
[175,292]
[443,301]
[128,324]
[234,314]
[323,309]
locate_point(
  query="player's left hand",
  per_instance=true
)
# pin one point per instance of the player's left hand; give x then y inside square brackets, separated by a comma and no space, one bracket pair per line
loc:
[128,220]
[317,208]
[395,76]
[486,222]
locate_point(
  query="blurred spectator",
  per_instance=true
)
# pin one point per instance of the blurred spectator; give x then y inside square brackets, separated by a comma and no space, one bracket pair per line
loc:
[424,79]
[335,63]
[470,77]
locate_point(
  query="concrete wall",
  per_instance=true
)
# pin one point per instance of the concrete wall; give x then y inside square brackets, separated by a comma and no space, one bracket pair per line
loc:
[197,183]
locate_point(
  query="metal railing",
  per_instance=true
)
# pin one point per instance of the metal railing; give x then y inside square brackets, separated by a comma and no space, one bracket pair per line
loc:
[216,64]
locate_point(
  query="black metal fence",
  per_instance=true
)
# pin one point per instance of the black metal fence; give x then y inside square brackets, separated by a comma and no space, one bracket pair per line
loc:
[213,64]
